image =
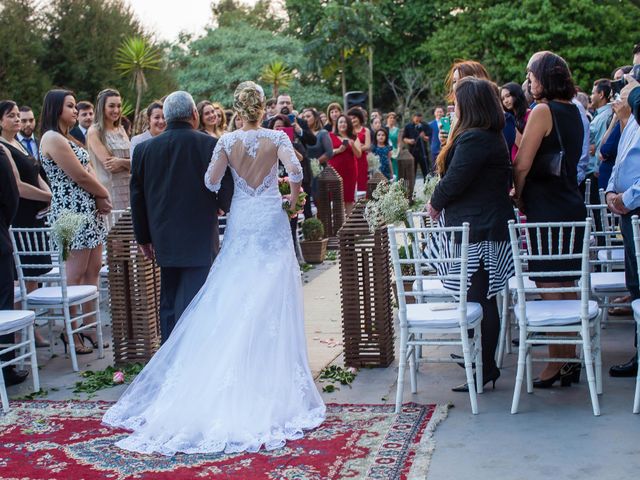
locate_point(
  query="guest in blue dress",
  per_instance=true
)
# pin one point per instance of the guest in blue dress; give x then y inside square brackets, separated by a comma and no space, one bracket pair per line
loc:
[383,149]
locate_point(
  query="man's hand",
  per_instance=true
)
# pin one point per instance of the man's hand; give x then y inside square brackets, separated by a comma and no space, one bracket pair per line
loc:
[221,213]
[148,251]
[631,84]
[615,203]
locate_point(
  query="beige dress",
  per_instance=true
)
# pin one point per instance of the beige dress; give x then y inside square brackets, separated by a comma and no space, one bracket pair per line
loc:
[117,183]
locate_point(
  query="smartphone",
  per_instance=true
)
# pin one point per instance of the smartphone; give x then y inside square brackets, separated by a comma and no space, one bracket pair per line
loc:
[616,86]
[291,117]
[445,124]
[345,142]
[288,131]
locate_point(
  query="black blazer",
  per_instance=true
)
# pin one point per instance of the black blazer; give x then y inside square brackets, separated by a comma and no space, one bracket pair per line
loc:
[9,198]
[170,205]
[76,133]
[475,186]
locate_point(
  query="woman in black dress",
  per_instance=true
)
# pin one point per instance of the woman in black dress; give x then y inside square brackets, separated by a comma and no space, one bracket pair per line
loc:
[35,194]
[476,176]
[546,198]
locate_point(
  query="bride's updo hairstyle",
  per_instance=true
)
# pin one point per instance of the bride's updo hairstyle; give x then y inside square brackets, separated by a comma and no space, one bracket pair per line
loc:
[249,101]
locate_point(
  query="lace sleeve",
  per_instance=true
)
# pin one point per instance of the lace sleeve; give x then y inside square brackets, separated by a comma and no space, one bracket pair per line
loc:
[287,156]
[217,167]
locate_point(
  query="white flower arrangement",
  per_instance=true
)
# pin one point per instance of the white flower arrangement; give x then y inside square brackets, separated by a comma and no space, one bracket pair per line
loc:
[373,162]
[389,204]
[430,184]
[315,167]
[65,229]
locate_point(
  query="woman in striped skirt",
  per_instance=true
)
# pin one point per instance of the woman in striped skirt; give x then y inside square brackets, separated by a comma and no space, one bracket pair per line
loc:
[475,167]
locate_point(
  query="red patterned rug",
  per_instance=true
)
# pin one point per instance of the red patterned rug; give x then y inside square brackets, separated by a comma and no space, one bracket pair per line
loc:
[65,440]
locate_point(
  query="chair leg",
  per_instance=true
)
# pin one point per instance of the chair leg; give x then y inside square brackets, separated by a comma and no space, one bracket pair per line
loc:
[598,355]
[468,367]
[50,324]
[3,394]
[529,370]
[99,330]
[413,376]
[72,343]
[636,398]
[504,325]
[522,353]
[34,359]
[588,360]
[401,368]
[477,340]
[605,312]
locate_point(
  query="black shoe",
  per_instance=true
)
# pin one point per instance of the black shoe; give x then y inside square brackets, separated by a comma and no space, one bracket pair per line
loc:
[629,369]
[460,360]
[568,373]
[14,377]
[491,377]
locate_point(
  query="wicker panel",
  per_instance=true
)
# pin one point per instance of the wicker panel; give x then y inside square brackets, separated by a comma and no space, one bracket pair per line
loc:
[365,277]
[407,171]
[373,182]
[330,204]
[134,292]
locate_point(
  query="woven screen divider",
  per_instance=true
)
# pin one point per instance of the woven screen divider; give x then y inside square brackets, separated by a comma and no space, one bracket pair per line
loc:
[407,171]
[134,293]
[330,204]
[365,280]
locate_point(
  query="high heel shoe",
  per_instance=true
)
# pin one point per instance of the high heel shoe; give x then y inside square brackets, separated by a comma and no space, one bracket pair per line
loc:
[80,349]
[491,377]
[567,374]
[94,343]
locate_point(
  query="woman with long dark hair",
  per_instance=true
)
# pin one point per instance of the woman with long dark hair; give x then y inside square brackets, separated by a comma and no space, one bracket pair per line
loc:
[74,187]
[515,102]
[554,124]
[477,149]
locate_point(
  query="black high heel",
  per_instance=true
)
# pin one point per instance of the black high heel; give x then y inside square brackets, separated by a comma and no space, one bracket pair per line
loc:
[567,374]
[94,343]
[80,349]
[492,377]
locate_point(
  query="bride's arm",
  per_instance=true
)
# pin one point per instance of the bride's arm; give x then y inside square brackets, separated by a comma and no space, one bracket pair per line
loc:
[287,155]
[217,168]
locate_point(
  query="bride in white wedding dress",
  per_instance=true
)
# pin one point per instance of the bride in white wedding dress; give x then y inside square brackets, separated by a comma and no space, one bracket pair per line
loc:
[233,375]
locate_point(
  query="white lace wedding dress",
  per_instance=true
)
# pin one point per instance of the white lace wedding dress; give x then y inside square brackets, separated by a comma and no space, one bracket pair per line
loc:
[234,376]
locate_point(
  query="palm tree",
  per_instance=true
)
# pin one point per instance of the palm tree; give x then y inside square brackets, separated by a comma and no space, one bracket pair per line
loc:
[278,75]
[136,56]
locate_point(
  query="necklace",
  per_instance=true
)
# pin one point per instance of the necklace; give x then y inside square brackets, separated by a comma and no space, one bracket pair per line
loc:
[17,145]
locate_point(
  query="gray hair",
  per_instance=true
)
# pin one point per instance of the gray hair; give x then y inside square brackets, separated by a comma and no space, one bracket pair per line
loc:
[178,106]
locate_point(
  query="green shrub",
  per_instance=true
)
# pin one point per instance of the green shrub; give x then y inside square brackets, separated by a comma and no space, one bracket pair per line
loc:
[312,229]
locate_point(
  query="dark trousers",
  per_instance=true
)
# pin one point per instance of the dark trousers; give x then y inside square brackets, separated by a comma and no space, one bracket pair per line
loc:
[490,326]
[178,287]
[421,157]
[630,265]
[6,297]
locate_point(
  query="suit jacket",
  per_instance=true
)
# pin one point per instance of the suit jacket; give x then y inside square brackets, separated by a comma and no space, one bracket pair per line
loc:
[475,186]
[9,198]
[634,103]
[76,133]
[170,205]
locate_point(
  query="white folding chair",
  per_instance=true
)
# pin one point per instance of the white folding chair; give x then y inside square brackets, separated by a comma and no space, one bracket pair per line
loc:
[33,242]
[635,305]
[446,323]
[587,191]
[613,250]
[14,321]
[578,319]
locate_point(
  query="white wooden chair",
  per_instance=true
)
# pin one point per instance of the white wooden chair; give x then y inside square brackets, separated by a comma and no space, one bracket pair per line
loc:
[578,319]
[33,242]
[613,250]
[635,305]
[446,323]
[14,321]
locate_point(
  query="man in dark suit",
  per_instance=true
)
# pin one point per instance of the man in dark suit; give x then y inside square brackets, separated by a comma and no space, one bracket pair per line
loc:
[8,207]
[26,135]
[175,217]
[85,119]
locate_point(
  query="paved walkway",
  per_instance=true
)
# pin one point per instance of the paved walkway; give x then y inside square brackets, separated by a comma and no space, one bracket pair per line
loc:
[555,436]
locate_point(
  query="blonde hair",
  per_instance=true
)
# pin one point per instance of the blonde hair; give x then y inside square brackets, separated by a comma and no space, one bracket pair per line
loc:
[98,119]
[223,118]
[249,101]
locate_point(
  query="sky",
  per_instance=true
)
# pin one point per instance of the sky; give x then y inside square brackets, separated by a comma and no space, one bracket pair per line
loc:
[167,18]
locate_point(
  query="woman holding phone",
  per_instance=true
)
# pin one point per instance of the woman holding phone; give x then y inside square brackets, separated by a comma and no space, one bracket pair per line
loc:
[345,154]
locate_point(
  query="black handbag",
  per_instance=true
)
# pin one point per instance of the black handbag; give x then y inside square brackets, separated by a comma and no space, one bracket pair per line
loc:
[547,165]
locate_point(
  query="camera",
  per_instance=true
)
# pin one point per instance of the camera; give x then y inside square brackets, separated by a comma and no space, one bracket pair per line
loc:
[618,85]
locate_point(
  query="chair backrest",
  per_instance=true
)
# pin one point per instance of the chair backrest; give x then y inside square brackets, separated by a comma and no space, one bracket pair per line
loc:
[420,220]
[38,243]
[546,242]
[445,249]
[605,238]
[587,191]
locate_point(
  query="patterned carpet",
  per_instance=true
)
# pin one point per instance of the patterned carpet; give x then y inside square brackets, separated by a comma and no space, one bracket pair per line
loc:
[65,440]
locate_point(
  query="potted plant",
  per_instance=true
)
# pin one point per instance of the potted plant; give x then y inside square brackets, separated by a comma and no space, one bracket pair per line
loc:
[314,247]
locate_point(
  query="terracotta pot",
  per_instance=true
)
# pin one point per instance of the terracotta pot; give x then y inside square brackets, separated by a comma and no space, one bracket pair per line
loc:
[314,251]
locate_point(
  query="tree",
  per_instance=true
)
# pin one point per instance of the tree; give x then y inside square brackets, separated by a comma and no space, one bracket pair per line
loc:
[278,75]
[21,35]
[263,14]
[212,66]
[135,57]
